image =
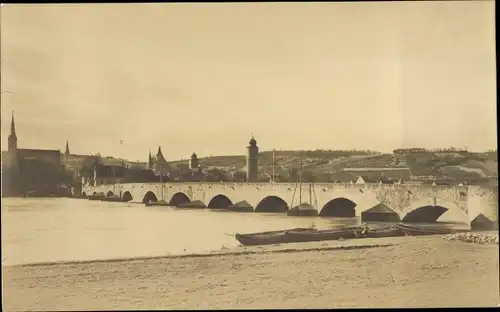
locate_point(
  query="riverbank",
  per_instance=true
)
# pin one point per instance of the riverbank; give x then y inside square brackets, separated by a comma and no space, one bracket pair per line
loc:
[369,273]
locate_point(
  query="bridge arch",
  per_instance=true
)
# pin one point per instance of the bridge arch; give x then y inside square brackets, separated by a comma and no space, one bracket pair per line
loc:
[109,193]
[426,211]
[179,199]
[272,204]
[220,201]
[339,207]
[425,214]
[126,197]
[149,196]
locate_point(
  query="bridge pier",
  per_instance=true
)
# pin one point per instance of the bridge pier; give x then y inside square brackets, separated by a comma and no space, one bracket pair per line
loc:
[483,208]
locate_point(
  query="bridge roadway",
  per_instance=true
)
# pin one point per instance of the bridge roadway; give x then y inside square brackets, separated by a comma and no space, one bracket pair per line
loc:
[417,203]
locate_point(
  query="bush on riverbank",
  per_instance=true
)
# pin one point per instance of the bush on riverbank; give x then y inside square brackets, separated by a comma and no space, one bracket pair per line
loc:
[475,237]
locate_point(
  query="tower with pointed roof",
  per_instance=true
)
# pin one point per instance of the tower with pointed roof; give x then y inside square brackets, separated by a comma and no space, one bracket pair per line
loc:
[161,165]
[193,163]
[159,156]
[12,136]
[252,160]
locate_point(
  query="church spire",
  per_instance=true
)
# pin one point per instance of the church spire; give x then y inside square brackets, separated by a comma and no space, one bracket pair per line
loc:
[150,161]
[159,154]
[13,127]
[12,136]
[67,149]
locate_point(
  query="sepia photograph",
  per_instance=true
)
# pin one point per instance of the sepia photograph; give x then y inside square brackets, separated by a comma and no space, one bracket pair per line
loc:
[257,155]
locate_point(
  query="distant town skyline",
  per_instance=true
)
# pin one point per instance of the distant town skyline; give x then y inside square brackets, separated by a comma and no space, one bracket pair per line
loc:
[123,79]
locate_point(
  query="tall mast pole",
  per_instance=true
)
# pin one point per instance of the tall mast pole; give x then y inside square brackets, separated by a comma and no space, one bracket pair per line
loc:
[113,171]
[161,181]
[122,166]
[274,166]
[300,179]
[310,193]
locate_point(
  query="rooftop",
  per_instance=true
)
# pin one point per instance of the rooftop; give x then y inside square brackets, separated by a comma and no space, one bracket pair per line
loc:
[377,169]
[38,150]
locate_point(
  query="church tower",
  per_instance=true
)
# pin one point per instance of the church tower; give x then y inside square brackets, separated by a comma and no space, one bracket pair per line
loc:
[12,136]
[252,161]
[161,165]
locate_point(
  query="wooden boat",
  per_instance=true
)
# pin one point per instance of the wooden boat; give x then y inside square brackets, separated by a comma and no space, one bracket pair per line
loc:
[410,230]
[233,209]
[268,238]
[302,210]
[241,206]
[157,203]
[301,235]
[392,231]
[239,209]
[321,235]
[112,198]
[196,204]
[96,197]
[30,194]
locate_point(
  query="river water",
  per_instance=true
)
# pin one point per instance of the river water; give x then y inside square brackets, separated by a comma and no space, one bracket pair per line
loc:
[62,229]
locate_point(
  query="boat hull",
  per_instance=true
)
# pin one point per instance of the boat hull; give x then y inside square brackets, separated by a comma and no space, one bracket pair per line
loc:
[229,209]
[158,203]
[299,235]
[113,199]
[389,232]
[96,197]
[302,213]
[192,205]
[322,235]
[268,238]
[254,241]
[239,209]
[409,230]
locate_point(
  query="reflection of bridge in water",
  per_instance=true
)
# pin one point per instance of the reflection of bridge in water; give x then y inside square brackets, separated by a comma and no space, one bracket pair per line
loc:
[410,203]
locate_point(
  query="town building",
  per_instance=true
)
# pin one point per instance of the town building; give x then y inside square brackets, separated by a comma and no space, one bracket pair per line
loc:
[31,172]
[159,164]
[98,174]
[109,170]
[379,175]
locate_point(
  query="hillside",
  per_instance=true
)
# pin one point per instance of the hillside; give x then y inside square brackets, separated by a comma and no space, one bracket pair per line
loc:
[447,165]
[328,165]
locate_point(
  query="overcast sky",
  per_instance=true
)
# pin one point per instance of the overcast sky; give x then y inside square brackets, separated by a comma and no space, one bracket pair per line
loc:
[203,77]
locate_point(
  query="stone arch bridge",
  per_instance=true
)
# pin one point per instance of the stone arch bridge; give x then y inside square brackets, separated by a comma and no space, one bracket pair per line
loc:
[417,203]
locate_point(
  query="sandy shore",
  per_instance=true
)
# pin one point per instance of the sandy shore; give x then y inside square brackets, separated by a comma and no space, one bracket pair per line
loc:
[369,273]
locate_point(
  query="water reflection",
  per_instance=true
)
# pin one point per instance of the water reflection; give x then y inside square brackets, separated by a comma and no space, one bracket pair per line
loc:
[39,230]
